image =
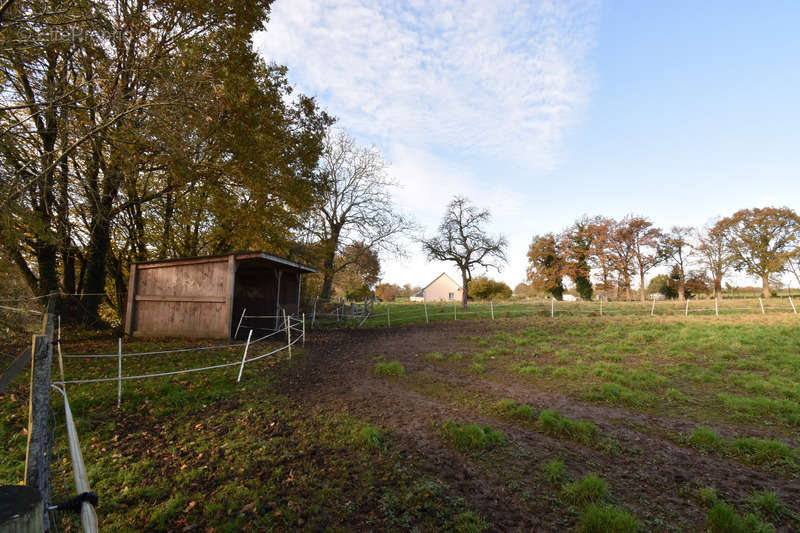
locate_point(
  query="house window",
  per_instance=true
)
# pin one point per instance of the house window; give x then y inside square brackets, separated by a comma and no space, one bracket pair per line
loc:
[451,296]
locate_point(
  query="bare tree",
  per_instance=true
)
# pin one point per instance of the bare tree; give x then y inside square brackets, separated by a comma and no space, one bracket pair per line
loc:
[714,254]
[463,240]
[622,243]
[676,246]
[356,207]
[645,247]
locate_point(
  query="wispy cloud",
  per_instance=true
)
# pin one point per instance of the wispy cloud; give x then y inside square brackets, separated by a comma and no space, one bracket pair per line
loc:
[493,79]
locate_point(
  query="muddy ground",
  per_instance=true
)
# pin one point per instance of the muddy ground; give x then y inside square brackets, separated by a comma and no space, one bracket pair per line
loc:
[651,476]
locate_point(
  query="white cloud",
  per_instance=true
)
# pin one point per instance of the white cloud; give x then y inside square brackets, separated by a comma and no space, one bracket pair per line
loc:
[500,79]
[437,84]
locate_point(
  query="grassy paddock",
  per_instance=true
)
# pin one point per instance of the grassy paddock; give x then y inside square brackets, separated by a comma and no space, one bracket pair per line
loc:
[403,313]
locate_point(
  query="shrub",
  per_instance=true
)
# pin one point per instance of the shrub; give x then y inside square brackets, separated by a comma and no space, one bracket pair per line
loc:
[469,437]
[607,519]
[591,488]
[393,368]
[555,423]
[554,471]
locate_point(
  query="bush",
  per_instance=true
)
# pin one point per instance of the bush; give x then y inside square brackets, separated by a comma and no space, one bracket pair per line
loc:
[471,437]
[591,488]
[393,368]
[607,519]
[556,424]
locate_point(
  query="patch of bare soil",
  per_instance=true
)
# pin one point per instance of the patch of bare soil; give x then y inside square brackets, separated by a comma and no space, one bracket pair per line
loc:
[651,476]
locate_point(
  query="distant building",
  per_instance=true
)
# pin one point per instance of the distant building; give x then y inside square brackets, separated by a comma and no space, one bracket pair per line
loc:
[569,298]
[442,289]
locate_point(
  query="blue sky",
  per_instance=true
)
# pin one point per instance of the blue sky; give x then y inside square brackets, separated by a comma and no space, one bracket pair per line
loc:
[542,112]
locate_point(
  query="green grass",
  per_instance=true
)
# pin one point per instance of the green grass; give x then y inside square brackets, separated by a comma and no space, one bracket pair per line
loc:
[511,409]
[390,368]
[722,518]
[761,452]
[591,488]
[471,437]
[607,519]
[558,425]
[554,471]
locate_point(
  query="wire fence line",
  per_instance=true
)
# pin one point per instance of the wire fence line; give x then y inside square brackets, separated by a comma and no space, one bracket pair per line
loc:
[396,314]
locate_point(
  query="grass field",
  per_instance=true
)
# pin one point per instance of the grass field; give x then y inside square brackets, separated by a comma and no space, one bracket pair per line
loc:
[582,422]
[399,313]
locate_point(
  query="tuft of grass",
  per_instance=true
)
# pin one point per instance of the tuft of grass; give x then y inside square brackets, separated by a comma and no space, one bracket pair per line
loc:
[392,368]
[722,518]
[591,488]
[705,439]
[471,437]
[556,424]
[554,471]
[761,451]
[707,495]
[510,408]
[369,437]
[434,356]
[767,502]
[477,368]
[616,394]
[607,519]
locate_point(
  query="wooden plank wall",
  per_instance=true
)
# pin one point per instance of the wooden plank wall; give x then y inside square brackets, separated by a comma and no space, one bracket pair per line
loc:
[183,298]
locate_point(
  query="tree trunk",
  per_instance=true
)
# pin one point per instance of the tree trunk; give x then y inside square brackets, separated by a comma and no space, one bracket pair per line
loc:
[465,288]
[95,286]
[681,290]
[641,287]
[717,288]
[765,292]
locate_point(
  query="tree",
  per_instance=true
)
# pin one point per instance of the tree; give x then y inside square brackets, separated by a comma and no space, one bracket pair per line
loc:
[386,291]
[362,271]
[601,252]
[462,240]
[622,244]
[676,247]
[714,254]
[546,265]
[644,238]
[356,206]
[484,288]
[576,243]
[762,241]
[662,284]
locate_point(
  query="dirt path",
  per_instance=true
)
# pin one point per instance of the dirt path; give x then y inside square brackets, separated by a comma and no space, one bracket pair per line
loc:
[652,476]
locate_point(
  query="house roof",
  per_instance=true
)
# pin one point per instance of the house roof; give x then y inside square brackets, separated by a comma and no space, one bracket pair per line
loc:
[239,256]
[435,280]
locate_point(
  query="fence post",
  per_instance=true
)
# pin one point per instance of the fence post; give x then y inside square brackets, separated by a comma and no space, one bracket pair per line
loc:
[491,304]
[304,329]
[239,325]
[601,305]
[288,322]
[389,316]
[425,305]
[244,356]
[455,315]
[119,373]
[552,307]
[686,312]
[793,307]
[37,458]
[314,312]
[653,307]
[716,306]
[761,303]
[60,358]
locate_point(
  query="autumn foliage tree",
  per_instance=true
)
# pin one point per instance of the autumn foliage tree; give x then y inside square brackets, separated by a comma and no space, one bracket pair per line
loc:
[546,265]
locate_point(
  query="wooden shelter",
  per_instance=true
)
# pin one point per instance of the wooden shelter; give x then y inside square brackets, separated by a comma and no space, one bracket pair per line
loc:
[206,296]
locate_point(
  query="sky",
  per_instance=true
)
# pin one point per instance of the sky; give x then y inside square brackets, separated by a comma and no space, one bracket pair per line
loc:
[545,111]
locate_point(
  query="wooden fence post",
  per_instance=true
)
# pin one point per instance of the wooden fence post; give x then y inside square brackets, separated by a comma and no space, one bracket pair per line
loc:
[653,308]
[686,313]
[491,304]
[552,307]
[425,305]
[37,458]
[793,307]
[119,373]
[761,303]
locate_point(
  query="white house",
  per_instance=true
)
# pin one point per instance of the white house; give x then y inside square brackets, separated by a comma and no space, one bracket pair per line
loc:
[442,289]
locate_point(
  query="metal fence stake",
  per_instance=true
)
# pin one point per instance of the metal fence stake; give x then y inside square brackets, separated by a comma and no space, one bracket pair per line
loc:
[244,356]
[119,373]
[235,335]
[425,305]
[793,307]
[761,303]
